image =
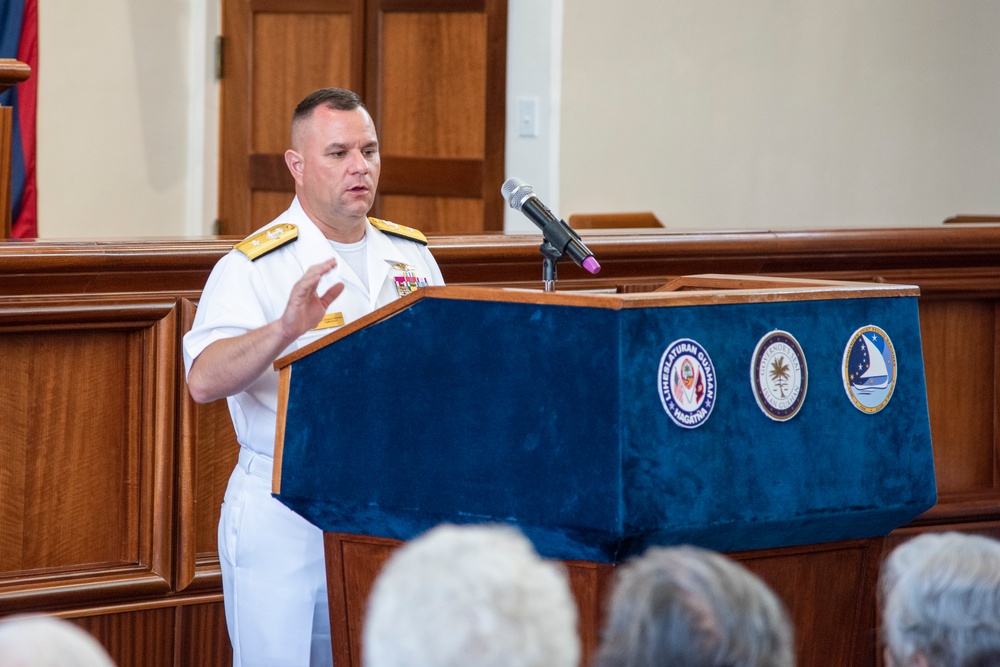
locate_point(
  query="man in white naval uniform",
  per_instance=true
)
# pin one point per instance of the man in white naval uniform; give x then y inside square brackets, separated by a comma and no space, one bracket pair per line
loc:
[319,265]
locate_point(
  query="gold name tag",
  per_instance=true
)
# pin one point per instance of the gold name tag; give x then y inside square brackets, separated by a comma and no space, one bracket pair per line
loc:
[329,321]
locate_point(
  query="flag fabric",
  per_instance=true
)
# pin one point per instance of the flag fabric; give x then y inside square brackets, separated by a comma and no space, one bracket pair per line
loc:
[19,40]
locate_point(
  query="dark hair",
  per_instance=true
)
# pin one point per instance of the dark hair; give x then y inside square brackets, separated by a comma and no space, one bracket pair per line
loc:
[335,98]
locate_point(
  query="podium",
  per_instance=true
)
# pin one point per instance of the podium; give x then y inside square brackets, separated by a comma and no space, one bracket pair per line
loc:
[733,412]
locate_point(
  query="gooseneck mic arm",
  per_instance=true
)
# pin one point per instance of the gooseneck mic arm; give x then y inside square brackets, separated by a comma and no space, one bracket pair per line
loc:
[557,234]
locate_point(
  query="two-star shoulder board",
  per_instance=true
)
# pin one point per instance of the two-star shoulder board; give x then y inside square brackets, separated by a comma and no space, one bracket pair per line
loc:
[267,240]
[274,237]
[398,230]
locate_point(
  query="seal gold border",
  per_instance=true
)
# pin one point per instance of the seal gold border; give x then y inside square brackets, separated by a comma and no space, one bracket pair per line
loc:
[892,373]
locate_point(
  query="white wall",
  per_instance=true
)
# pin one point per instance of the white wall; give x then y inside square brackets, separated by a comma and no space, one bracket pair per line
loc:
[713,114]
[127,118]
[721,114]
[534,63]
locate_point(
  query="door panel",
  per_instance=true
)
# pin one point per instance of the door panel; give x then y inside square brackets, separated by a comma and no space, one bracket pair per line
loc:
[293,55]
[433,91]
[277,52]
[453,215]
[432,73]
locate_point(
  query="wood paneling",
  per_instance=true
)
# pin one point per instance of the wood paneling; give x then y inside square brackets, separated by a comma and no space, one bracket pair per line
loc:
[111,478]
[960,343]
[362,559]
[266,206]
[54,392]
[88,453]
[293,55]
[354,561]
[432,73]
[135,638]
[207,456]
[276,53]
[202,627]
[829,593]
[443,214]
[6,170]
[433,88]
[435,78]
[12,72]
[828,590]
[591,586]
[159,633]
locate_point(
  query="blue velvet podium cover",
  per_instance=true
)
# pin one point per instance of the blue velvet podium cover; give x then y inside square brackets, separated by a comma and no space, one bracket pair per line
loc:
[544,411]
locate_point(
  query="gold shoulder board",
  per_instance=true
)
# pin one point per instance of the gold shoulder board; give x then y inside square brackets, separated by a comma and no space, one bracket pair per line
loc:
[265,241]
[399,230]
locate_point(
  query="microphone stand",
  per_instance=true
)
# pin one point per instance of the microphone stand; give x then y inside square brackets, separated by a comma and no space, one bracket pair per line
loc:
[557,235]
[551,255]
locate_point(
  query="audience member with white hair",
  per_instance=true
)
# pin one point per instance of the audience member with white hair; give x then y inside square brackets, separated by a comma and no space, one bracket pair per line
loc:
[43,641]
[470,596]
[690,607]
[940,600]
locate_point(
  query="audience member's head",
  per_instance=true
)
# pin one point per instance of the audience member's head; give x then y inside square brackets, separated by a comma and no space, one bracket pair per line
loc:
[470,596]
[43,641]
[690,607]
[940,599]
[987,658]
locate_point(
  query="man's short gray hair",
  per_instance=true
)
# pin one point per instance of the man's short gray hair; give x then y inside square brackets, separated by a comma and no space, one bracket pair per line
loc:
[694,607]
[471,596]
[940,599]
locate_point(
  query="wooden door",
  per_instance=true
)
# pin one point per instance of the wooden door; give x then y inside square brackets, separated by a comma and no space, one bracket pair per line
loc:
[276,52]
[432,73]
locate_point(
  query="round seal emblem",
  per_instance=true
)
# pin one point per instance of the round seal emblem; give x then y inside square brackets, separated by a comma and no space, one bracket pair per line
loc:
[869,369]
[778,375]
[686,381]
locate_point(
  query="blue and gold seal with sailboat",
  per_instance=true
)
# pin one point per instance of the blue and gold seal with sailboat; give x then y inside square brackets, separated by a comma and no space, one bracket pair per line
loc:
[869,369]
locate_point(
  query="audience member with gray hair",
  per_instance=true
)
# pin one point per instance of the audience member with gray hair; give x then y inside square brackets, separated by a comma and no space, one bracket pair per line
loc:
[36,640]
[470,596]
[940,599]
[691,607]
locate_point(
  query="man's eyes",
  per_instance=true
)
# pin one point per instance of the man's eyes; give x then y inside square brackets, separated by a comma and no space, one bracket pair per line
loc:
[368,152]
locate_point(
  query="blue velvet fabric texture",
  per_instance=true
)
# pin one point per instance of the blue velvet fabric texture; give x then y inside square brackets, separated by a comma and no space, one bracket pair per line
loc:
[549,418]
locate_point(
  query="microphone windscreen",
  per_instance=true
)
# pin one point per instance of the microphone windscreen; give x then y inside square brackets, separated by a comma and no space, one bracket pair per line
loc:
[514,190]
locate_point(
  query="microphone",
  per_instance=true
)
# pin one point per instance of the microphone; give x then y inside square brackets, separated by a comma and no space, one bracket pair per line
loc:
[521,197]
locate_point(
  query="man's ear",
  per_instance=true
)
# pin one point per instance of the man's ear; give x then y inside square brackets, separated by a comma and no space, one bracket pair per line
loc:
[294,162]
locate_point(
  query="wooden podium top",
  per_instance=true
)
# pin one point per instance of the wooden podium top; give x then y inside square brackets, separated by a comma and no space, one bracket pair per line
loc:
[691,290]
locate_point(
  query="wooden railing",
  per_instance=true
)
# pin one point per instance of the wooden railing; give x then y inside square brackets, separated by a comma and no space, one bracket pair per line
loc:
[12,72]
[111,477]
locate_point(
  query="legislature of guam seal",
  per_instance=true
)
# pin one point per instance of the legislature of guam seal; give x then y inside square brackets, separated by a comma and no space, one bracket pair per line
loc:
[869,369]
[778,375]
[686,382]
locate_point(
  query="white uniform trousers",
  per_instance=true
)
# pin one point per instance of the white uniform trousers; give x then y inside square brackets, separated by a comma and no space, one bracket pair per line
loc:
[273,575]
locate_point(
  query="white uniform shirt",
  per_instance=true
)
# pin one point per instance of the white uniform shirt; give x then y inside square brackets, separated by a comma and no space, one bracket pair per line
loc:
[242,295]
